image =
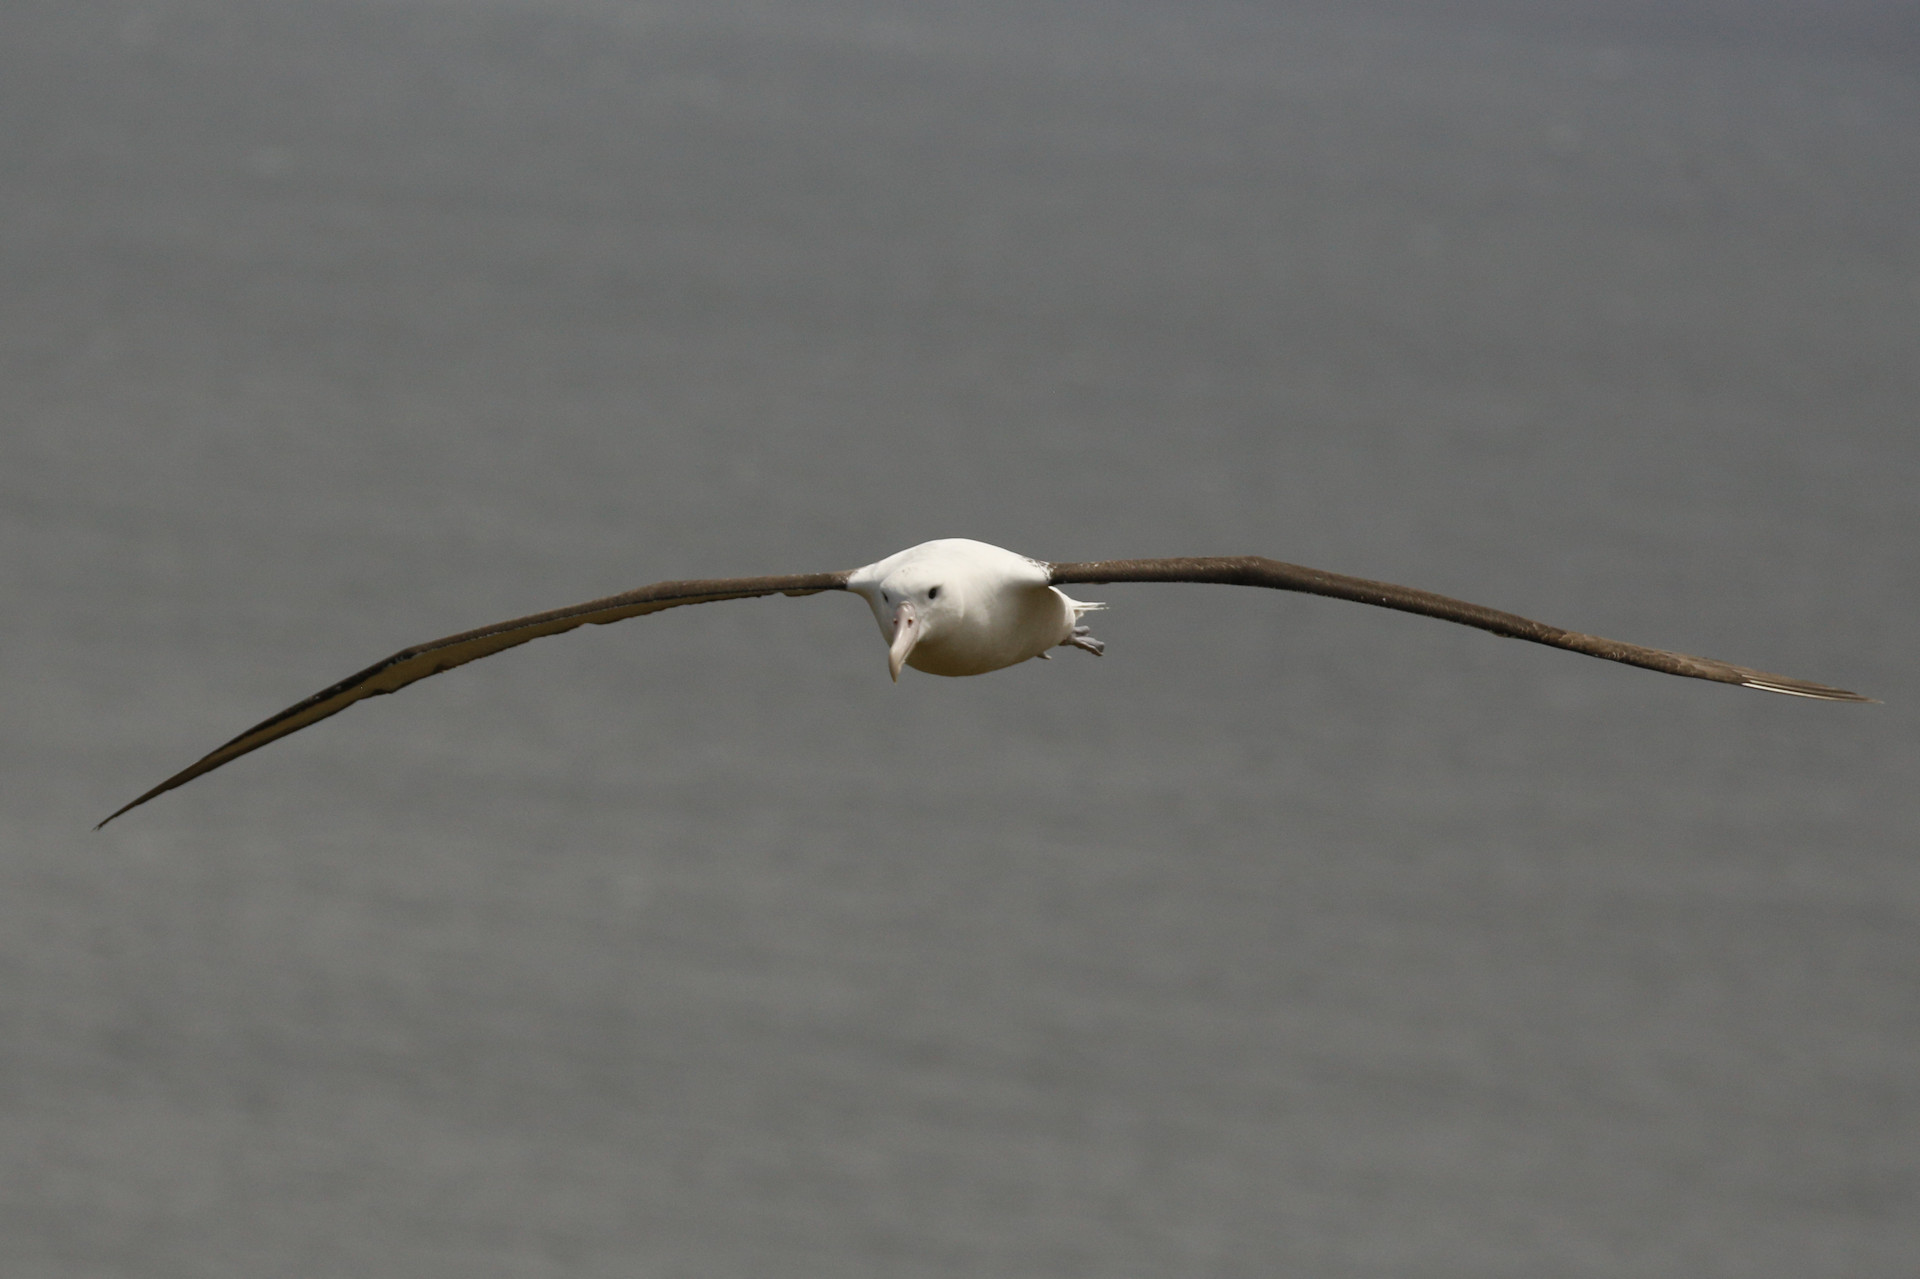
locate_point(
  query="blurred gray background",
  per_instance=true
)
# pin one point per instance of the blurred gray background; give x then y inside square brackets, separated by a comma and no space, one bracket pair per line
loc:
[1292,938]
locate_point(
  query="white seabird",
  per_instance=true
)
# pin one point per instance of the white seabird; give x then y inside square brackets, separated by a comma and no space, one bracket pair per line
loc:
[960,607]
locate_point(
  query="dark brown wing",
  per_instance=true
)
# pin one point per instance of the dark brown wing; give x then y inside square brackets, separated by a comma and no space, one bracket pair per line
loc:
[1252,570]
[422,660]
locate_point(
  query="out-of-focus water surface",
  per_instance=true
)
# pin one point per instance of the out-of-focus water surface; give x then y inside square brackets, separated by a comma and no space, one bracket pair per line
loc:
[1292,938]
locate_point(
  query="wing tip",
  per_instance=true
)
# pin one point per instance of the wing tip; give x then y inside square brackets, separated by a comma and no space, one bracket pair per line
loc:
[177,779]
[1789,687]
[124,808]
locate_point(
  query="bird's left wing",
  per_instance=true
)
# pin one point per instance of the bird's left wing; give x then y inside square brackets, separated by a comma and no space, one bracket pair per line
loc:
[394,673]
[1254,570]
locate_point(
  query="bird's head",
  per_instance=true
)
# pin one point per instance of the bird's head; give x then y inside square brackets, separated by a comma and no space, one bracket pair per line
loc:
[915,604]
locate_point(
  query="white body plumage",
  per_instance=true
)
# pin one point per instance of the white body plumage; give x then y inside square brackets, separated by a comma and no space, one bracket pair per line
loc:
[960,607]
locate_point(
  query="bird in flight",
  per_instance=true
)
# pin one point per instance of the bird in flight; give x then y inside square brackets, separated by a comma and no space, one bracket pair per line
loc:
[960,607]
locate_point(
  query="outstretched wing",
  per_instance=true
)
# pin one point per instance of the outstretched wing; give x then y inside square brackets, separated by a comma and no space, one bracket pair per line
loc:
[416,663]
[1252,570]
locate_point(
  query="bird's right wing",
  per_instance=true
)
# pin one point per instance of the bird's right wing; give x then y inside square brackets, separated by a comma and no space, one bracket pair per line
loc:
[1253,570]
[409,665]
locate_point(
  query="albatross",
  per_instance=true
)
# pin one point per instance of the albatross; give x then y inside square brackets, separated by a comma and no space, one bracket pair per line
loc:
[960,607]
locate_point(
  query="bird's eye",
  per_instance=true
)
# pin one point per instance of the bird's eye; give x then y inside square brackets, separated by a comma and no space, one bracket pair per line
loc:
[933,593]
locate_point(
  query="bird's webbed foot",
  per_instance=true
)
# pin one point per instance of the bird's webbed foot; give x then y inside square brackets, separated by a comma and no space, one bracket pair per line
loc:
[1082,638]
